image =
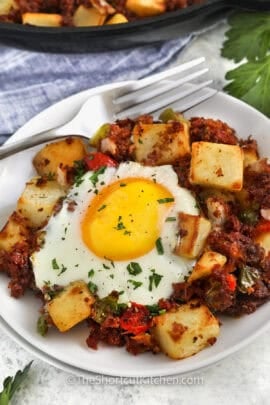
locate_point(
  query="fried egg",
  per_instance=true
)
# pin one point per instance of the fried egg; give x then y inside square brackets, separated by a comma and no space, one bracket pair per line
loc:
[117,229]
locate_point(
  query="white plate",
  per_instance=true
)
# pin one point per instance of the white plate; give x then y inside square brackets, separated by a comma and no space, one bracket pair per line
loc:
[70,349]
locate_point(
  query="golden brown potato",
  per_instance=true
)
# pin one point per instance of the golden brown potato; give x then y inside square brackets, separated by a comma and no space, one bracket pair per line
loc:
[195,230]
[42,19]
[250,155]
[185,331]
[217,165]
[159,144]
[71,306]
[37,201]
[146,8]
[14,231]
[60,153]
[264,241]
[208,262]
[87,17]
[117,19]
[5,6]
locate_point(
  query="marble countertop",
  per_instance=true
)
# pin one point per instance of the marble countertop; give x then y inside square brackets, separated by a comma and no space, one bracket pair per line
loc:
[242,378]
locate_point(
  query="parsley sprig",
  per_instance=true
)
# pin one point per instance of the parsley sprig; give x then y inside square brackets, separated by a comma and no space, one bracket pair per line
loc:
[11,384]
[248,41]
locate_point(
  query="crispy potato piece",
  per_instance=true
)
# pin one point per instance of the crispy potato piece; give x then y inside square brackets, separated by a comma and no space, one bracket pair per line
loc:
[87,17]
[146,8]
[250,155]
[71,306]
[217,165]
[159,144]
[195,230]
[14,231]
[5,6]
[61,153]
[264,241]
[185,331]
[37,201]
[117,19]
[208,262]
[42,19]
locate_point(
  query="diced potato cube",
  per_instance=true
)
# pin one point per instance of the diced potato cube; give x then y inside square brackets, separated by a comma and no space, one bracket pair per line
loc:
[208,262]
[250,155]
[217,210]
[264,241]
[159,144]
[37,201]
[87,17]
[185,331]
[194,231]
[60,153]
[14,231]
[146,8]
[71,306]
[5,6]
[217,165]
[42,19]
[117,19]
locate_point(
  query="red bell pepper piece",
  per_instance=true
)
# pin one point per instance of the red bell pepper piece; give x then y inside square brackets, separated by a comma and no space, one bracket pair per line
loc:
[96,160]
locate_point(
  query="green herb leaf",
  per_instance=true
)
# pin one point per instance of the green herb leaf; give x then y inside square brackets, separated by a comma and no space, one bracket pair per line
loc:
[155,310]
[102,207]
[154,280]
[79,168]
[170,219]
[63,269]
[159,246]
[249,39]
[92,287]
[42,325]
[248,36]
[251,82]
[11,384]
[91,273]
[134,269]
[136,284]
[165,200]
[95,175]
[55,265]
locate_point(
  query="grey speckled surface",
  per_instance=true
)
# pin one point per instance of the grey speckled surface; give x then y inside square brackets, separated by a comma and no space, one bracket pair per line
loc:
[240,379]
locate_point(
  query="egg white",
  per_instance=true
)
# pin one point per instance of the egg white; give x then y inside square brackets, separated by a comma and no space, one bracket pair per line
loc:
[63,242]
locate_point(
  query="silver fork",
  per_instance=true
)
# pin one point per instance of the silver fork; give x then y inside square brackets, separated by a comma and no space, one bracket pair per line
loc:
[126,99]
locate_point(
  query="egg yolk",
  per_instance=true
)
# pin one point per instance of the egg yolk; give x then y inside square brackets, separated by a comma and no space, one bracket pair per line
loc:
[125,219]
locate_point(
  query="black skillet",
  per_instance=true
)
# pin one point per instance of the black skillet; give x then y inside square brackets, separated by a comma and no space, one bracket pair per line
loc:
[147,31]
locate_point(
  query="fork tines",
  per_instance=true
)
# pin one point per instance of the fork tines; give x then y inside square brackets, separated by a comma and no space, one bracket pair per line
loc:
[162,89]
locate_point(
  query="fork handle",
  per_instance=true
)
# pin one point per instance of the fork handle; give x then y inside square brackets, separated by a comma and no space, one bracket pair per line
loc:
[27,143]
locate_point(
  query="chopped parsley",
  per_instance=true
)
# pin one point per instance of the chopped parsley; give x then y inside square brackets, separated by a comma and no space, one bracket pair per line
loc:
[102,207]
[154,280]
[122,184]
[79,172]
[120,226]
[155,310]
[134,269]
[63,269]
[170,219]
[165,200]
[136,284]
[159,246]
[92,287]
[95,175]
[105,266]
[91,273]
[55,265]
